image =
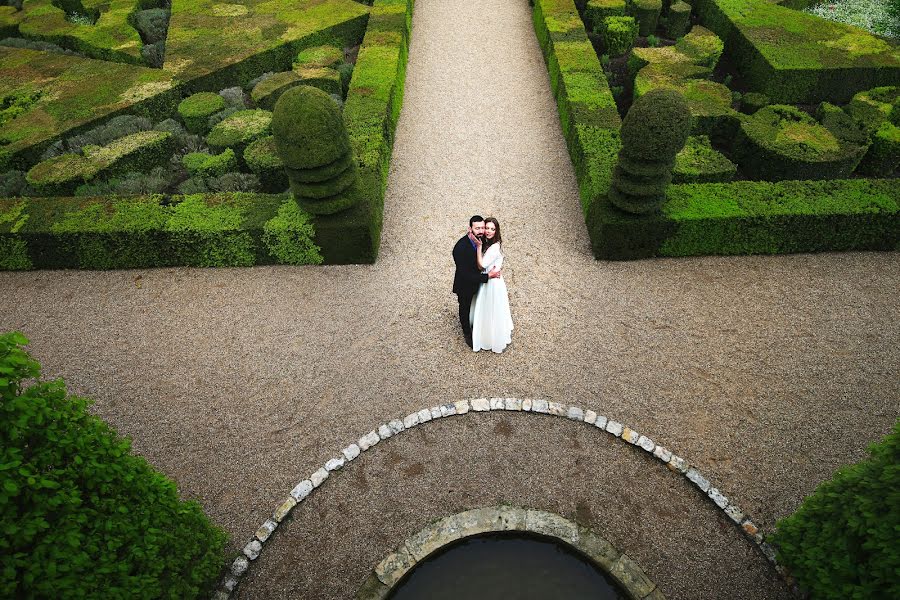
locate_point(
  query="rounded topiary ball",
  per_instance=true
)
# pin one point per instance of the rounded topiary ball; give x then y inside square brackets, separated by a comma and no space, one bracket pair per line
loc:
[657,126]
[308,128]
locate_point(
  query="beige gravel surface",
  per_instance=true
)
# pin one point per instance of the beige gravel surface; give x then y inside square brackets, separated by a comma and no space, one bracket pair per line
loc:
[766,372]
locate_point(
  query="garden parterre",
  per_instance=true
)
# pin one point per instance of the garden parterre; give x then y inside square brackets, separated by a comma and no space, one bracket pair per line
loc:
[800,159]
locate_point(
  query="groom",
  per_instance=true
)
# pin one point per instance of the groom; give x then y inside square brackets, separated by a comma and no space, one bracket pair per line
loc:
[468,276]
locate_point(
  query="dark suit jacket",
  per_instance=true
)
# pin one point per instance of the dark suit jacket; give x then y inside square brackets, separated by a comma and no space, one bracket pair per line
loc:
[467,277]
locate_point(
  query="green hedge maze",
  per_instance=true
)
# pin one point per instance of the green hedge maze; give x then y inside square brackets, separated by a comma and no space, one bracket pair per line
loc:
[794,143]
[138,133]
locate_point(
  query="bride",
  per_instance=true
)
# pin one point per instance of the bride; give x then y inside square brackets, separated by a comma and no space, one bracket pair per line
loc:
[491,320]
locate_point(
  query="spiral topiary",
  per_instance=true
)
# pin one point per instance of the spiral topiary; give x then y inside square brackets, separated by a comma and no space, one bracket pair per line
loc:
[312,141]
[654,130]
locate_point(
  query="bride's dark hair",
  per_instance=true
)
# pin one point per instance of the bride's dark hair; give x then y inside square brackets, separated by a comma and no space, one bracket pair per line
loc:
[497,239]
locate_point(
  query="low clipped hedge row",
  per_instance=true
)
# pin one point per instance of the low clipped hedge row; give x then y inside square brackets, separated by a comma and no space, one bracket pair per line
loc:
[370,114]
[80,515]
[215,230]
[587,110]
[755,217]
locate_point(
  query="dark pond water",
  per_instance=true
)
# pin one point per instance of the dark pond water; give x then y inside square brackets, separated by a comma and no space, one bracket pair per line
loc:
[506,567]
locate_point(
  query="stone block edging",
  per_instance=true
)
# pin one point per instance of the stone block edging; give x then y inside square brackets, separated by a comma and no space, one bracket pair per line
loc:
[675,463]
[627,574]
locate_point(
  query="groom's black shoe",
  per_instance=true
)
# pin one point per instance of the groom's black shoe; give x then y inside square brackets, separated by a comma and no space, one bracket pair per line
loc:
[469,342]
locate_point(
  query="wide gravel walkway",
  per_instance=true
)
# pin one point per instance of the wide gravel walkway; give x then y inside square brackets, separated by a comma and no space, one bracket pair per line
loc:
[766,372]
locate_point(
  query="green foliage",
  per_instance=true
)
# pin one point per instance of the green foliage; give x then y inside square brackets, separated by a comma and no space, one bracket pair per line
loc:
[308,128]
[781,142]
[597,10]
[872,107]
[345,71]
[842,541]
[156,181]
[289,236]
[13,250]
[755,217]
[753,101]
[208,233]
[702,46]
[647,14]
[81,515]
[883,157]
[270,89]
[239,129]
[152,24]
[654,130]
[319,56]
[114,129]
[138,151]
[679,19]
[794,57]
[196,110]
[698,162]
[14,104]
[652,41]
[618,34]
[262,158]
[201,164]
[234,182]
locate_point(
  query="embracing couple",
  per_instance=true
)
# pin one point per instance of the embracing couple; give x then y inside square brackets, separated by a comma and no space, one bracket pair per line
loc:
[479,287]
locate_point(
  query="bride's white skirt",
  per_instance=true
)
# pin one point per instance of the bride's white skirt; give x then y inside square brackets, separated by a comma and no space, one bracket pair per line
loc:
[491,320]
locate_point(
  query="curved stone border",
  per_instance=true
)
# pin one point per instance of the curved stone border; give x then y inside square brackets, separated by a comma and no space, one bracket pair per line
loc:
[677,464]
[627,574]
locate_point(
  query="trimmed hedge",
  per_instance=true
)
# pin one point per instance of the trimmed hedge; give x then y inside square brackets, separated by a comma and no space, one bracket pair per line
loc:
[262,158]
[239,129]
[370,114]
[698,162]
[842,541]
[80,515]
[618,34]
[794,57]
[319,56]
[679,19]
[646,12]
[214,230]
[196,110]
[781,142]
[136,152]
[597,10]
[201,164]
[755,217]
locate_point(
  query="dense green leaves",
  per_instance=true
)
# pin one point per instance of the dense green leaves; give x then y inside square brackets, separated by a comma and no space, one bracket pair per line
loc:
[80,516]
[842,541]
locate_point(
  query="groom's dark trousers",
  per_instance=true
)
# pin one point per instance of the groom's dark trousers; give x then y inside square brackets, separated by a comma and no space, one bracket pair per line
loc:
[466,281]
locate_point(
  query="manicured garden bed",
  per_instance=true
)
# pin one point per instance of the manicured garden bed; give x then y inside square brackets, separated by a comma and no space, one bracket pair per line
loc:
[740,192]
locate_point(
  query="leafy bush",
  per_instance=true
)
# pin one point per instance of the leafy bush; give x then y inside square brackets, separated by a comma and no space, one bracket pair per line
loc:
[152,24]
[647,14]
[289,236]
[156,181]
[196,110]
[597,10]
[262,158]
[234,182]
[619,34]
[883,157]
[193,185]
[15,104]
[83,517]
[234,96]
[154,54]
[842,541]
[679,19]
[652,41]
[753,101]
[114,129]
[308,128]
[702,46]
[201,164]
[239,129]
[267,92]
[698,162]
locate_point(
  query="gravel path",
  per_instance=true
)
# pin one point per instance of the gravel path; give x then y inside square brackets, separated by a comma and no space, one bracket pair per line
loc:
[767,372]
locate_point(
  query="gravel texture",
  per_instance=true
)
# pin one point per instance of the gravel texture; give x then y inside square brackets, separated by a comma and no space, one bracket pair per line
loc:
[768,373]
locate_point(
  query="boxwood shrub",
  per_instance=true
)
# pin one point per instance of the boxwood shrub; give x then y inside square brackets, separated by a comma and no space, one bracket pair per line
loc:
[239,129]
[195,110]
[647,14]
[698,162]
[842,541]
[80,515]
[618,34]
[201,164]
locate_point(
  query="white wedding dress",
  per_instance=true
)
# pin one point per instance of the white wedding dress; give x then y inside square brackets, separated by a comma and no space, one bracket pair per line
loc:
[491,320]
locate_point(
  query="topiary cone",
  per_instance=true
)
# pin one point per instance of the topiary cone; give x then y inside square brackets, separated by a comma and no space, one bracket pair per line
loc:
[653,132]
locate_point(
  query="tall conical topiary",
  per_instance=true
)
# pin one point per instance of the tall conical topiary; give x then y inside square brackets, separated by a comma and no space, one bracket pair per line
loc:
[312,141]
[653,132]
